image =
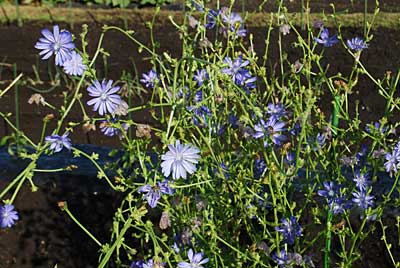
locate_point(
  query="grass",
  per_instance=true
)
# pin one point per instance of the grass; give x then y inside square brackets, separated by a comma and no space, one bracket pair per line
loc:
[134,16]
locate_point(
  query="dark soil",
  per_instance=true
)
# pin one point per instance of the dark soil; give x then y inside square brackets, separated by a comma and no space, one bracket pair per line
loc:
[46,236]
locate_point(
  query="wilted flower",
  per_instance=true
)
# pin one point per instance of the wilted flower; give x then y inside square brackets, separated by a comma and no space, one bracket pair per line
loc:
[8,216]
[58,142]
[58,43]
[284,29]
[297,66]
[179,160]
[121,109]
[143,131]
[88,127]
[192,21]
[37,99]
[153,193]
[106,100]
[325,40]
[74,66]
[165,221]
[196,260]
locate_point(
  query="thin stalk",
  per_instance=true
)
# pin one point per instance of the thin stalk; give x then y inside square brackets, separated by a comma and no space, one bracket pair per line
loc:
[328,240]
[64,207]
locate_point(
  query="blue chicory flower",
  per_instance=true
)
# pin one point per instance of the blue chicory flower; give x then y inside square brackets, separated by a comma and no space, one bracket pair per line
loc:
[200,77]
[211,18]
[362,180]
[392,162]
[8,216]
[105,98]
[110,131]
[153,193]
[234,66]
[336,201]
[357,44]
[276,110]
[198,96]
[325,40]
[234,22]
[57,143]
[150,78]
[272,129]
[200,115]
[137,264]
[362,199]
[195,260]
[283,259]
[58,43]
[290,229]
[179,160]
[74,66]
[244,79]
[259,167]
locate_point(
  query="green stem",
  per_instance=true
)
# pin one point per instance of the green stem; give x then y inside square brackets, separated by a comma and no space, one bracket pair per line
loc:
[328,240]
[65,208]
[119,240]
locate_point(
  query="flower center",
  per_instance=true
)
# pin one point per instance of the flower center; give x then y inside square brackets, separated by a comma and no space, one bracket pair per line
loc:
[103,96]
[179,157]
[56,47]
[5,215]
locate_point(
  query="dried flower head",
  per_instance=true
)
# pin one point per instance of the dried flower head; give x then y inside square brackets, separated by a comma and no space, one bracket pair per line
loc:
[143,131]
[37,99]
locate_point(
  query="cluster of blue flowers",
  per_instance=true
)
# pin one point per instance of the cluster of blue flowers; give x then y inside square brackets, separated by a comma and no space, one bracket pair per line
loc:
[230,21]
[356,44]
[272,129]
[239,74]
[105,98]
[60,44]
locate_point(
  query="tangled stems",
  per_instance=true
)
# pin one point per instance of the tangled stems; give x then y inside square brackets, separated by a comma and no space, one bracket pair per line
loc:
[118,241]
[102,173]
